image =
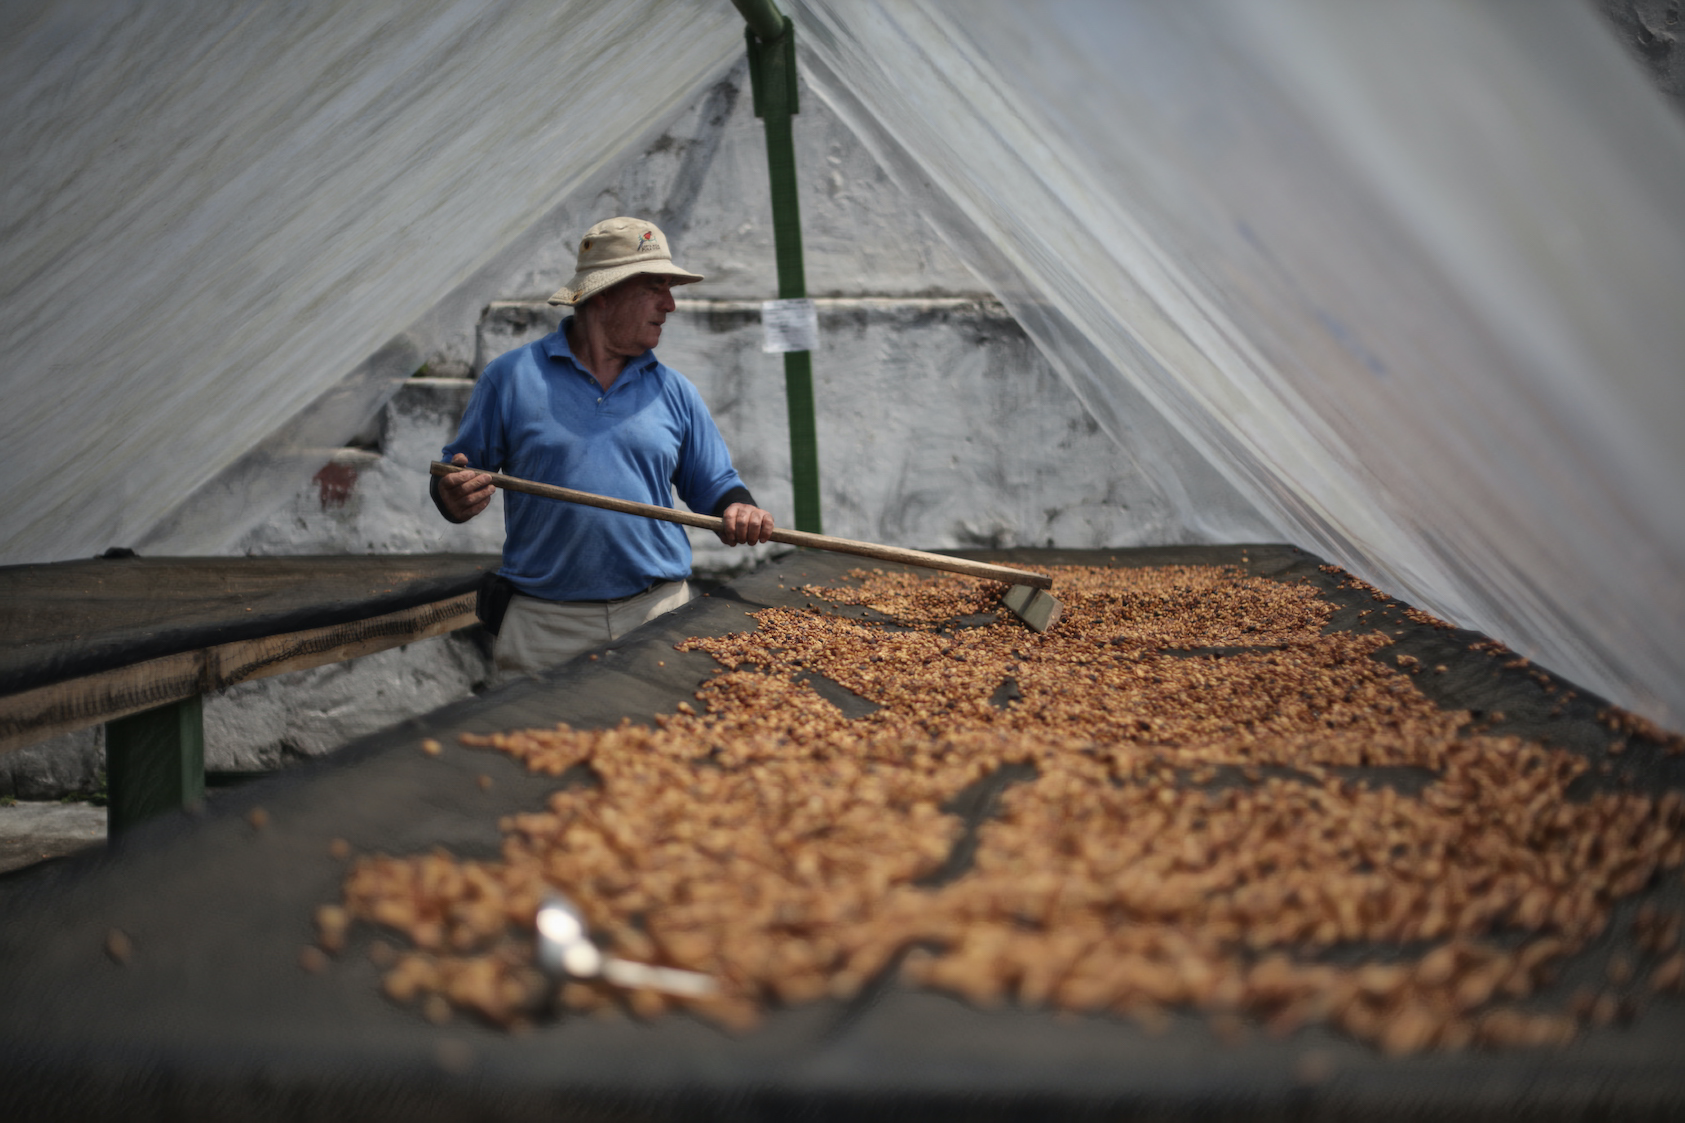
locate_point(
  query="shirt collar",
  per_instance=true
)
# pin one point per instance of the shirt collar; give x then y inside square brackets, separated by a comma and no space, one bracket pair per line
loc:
[556,346]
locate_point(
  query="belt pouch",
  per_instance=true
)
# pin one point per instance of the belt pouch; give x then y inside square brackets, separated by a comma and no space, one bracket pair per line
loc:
[491,600]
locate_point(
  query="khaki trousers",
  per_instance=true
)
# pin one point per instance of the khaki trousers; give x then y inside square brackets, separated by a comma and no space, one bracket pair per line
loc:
[539,634]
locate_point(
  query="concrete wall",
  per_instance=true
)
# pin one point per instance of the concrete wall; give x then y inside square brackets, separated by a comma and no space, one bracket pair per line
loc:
[940,424]
[704,182]
[60,766]
[1650,30]
[270,723]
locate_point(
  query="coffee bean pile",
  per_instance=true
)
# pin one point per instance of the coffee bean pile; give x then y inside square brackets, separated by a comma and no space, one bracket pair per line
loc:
[1217,807]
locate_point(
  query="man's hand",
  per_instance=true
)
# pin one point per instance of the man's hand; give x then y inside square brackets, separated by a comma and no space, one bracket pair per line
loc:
[464,494]
[745,525]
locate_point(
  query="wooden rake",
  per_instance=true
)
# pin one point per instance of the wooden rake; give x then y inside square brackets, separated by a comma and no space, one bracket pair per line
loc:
[1027,599]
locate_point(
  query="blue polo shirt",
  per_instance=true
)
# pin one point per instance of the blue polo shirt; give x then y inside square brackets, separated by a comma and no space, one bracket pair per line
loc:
[537,414]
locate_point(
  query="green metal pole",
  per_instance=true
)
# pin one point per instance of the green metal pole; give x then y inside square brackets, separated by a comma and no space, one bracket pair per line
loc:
[154,763]
[772,78]
[762,16]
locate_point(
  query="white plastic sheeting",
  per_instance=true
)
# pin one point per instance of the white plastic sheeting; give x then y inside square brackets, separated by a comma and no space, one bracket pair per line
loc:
[257,197]
[1411,275]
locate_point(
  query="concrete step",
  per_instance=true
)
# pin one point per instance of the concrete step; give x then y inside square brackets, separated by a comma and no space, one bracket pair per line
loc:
[33,832]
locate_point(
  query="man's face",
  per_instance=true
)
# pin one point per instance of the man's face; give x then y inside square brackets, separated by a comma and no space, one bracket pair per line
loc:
[630,314]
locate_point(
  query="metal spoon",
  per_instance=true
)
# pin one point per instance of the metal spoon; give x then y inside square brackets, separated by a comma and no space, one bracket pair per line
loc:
[565,950]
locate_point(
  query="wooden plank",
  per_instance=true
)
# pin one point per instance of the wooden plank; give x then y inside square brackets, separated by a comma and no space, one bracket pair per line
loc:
[34,715]
[230,663]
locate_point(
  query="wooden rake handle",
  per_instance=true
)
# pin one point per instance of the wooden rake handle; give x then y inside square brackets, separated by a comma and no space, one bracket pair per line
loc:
[791,537]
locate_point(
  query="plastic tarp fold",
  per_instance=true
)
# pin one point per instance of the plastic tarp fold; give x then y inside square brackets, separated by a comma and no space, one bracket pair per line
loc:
[1412,276]
[215,213]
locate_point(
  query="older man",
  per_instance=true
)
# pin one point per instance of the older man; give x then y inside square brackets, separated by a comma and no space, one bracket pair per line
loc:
[590,407]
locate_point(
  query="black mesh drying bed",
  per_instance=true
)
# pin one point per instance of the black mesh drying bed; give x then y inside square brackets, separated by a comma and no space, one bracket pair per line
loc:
[212,1017]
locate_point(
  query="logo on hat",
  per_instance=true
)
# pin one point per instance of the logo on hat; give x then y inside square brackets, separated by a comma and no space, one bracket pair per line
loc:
[647,242]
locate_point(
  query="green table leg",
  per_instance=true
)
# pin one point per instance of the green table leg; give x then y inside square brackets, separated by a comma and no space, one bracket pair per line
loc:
[154,762]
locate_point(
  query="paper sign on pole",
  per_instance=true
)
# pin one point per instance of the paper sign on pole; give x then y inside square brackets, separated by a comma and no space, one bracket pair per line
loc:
[791,325]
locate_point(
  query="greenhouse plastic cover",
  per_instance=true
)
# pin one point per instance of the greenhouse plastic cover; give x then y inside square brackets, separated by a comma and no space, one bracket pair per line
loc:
[221,221]
[1411,276]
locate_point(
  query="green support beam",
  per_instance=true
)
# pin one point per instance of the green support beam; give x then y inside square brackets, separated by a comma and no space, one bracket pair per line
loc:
[772,78]
[154,763]
[763,17]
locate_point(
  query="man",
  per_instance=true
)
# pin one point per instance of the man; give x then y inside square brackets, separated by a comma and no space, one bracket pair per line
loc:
[590,407]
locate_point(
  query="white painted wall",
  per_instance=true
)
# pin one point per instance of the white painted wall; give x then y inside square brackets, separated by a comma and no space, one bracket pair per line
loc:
[270,723]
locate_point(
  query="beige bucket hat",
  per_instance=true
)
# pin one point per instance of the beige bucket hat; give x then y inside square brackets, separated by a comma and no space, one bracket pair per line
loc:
[615,249]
